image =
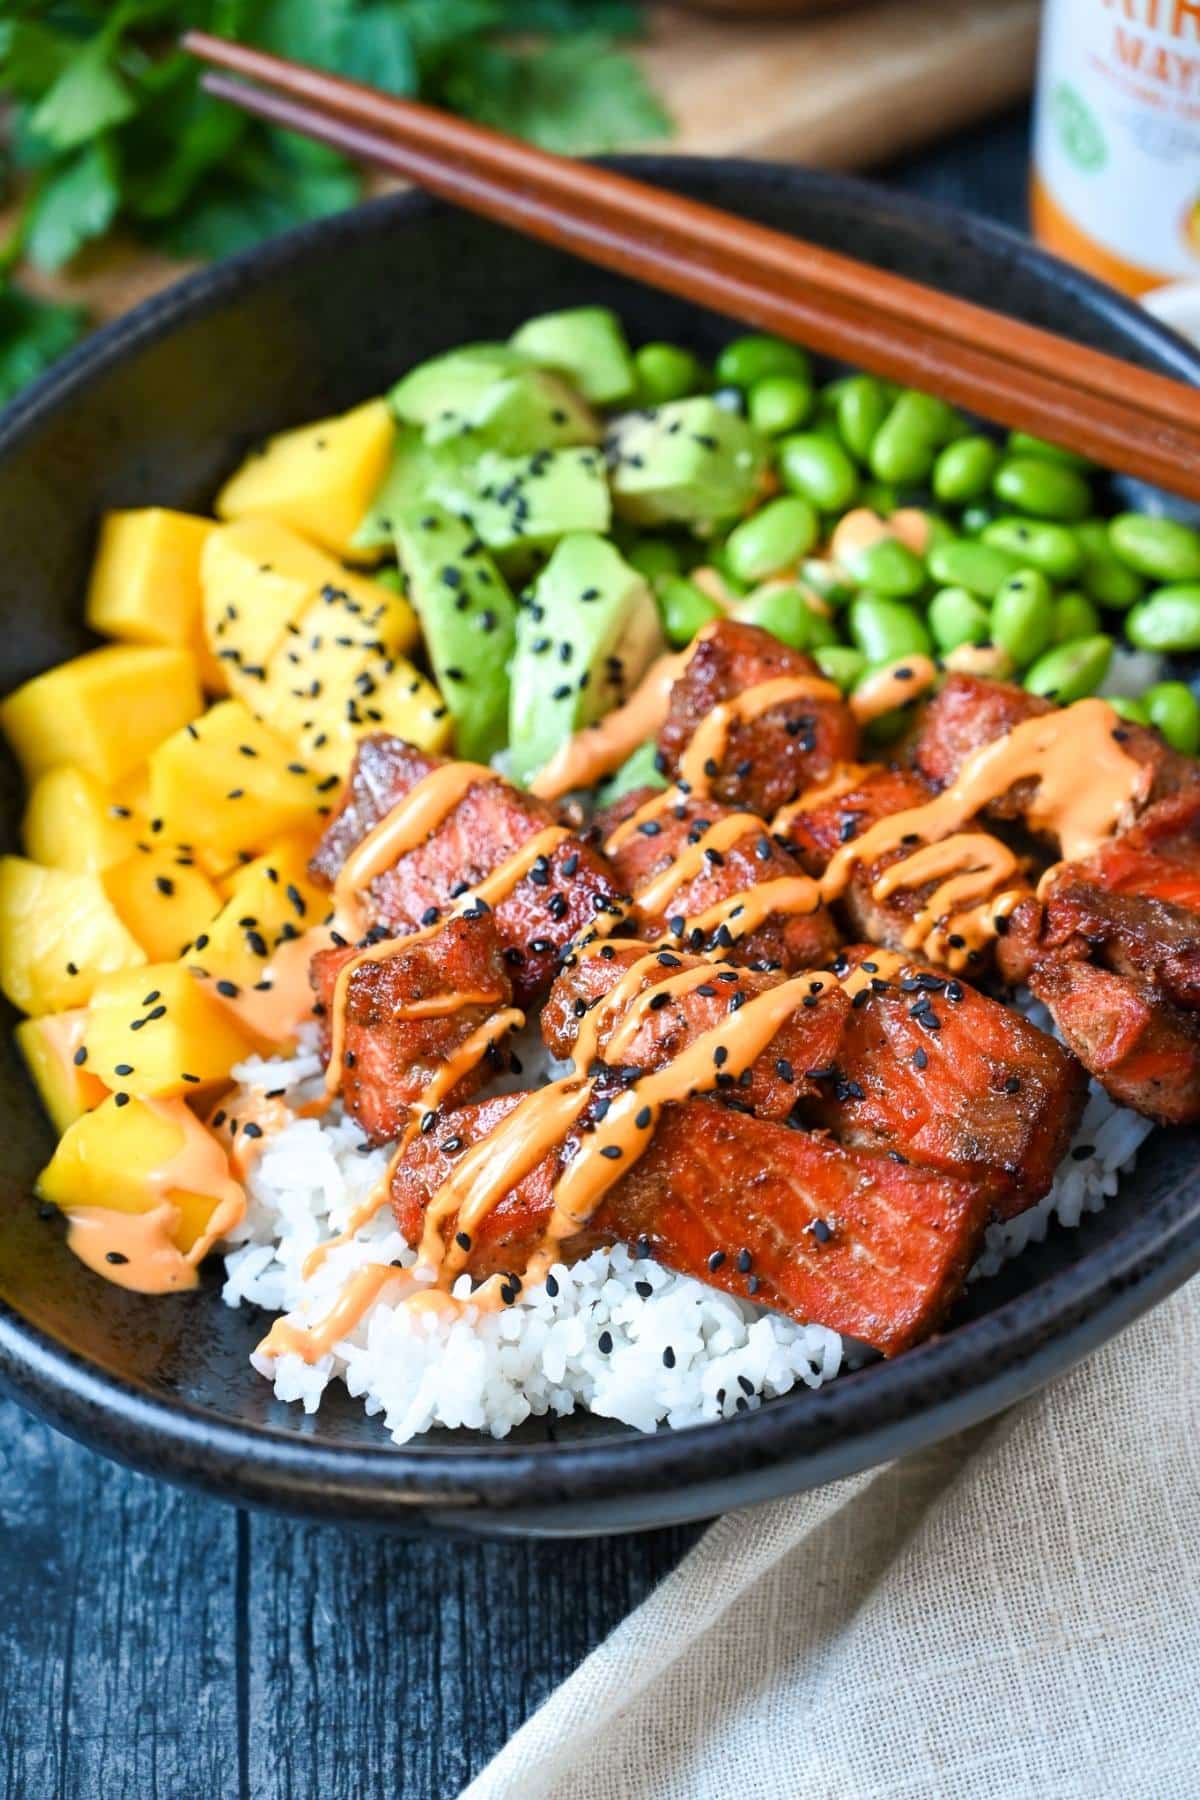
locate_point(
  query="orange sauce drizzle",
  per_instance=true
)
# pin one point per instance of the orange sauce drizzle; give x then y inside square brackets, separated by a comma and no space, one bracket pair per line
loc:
[653,895]
[406,826]
[600,748]
[712,734]
[892,686]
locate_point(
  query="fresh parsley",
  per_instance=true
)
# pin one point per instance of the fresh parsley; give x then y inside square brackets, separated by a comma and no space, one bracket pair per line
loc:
[106,124]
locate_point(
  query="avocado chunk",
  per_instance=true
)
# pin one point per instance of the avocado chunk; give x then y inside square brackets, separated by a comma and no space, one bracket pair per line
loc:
[585,633]
[468,617]
[452,382]
[520,503]
[585,343]
[639,770]
[527,410]
[689,461]
[406,479]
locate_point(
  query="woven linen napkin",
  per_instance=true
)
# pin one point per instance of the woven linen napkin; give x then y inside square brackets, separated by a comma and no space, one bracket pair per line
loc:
[1015,1612]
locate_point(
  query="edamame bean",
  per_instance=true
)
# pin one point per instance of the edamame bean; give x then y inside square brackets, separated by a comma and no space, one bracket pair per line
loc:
[1023,443]
[667,372]
[779,403]
[938,530]
[1023,616]
[779,533]
[827,580]
[957,617]
[819,469]
[1054,549]
[1048,490]
[963,470]
[883,628]
[781,611]
[1167,619]
[1104,576]
[747,359]
[981,568]
[1071,671]
[1162,549]
[718,558]
[910,437]
[862,406]
[684,609]
[974,520]
[1074,617]
[881,496]
[887,566]
[654,557]
[1174,709]
[1126,707]
[840,663]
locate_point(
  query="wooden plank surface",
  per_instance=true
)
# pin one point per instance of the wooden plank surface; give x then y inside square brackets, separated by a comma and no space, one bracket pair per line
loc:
[158,1646]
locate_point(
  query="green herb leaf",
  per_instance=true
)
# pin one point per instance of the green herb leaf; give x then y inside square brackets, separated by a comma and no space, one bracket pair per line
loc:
[265,189]
[33,334]
[77,203]
[88,97]
[578,95]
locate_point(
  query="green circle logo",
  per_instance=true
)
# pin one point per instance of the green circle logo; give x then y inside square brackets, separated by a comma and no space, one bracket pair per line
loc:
[1079,129]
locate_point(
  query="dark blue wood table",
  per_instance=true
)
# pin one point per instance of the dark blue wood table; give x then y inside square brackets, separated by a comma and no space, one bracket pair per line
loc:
[155,1644]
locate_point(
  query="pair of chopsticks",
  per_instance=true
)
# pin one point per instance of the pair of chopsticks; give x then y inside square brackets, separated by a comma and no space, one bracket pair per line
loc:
[1014,374]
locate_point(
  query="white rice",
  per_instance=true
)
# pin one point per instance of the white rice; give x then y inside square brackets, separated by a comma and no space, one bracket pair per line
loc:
[621,1337]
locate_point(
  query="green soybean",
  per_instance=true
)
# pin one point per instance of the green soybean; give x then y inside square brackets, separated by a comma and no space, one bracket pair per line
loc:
[1104,577]
[654,557]
[779,403]
[685,608]
[827,580]
[887,566]
[747,359]
[1126,707]
[938,530]
[1023,443]
[957,617]
[862,406]
[1174,709]
[1167,619]
[975,519]
[1071,671]
[1162,549]
[1048,490]
[784,613]
[718,558]
[1054,549]
[1074,617]
[963,470]
[818,469]
[840,663]
[981,568]
[881,496]
[1023,616]
[883,628]
[667,372]
[779,533]
[911,436]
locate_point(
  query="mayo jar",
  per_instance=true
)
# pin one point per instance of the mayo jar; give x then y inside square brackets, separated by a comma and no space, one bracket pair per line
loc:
[1116,160]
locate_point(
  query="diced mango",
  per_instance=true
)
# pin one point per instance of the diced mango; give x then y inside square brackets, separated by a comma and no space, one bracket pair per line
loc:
[393,697]
[229,784]
[112,1157]
[318,479]
[71,822]
[260,579]
[59,933]
[162,897]
[160,1031]
[105,711]
[145,583]
[271,901]
[50,1046]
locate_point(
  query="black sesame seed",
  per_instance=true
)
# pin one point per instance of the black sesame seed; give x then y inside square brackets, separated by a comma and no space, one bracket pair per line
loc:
[115,1257]
[604,1343]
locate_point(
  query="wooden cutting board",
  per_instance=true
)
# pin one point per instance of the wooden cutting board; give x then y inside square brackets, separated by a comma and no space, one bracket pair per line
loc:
[843,90]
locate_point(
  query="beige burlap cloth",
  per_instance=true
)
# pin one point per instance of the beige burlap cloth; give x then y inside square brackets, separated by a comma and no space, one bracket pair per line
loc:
[1013,1613]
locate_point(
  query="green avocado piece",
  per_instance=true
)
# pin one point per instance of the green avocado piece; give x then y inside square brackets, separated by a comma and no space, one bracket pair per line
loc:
[452,382]
[527,410]
[585,343]
[690,460]
[523,503]
[639,770]
[468,618]
[585,634]
[413,466]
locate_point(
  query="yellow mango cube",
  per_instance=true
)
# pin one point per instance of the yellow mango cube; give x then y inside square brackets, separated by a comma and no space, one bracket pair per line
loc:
[161,1031]
[162,897]
[113,1157]
[389,695]
[230,786]
[105,711]
[59,933]
[271,902]
[260,579]
[67,1088]
[319,479]
[145,582]
[71,822]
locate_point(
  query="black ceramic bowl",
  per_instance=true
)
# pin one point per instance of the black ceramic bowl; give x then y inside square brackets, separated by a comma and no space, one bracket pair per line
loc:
[155,410]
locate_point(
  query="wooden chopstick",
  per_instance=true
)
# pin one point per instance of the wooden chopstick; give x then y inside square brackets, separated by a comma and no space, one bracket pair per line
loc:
[1015,374]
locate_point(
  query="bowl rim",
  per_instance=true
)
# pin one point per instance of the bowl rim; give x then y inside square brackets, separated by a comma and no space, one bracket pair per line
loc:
[626,1479]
